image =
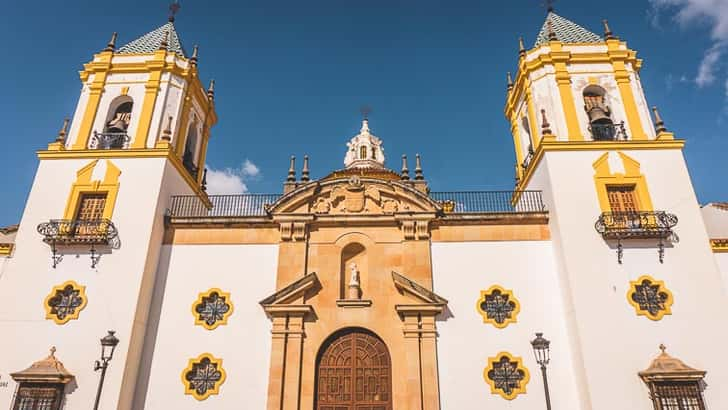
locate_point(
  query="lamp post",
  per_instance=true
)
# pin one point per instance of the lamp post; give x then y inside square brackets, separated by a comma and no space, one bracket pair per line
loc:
[541,351]
[108,344]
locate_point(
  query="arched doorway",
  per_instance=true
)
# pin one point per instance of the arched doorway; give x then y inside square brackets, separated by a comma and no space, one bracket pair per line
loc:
[353,372]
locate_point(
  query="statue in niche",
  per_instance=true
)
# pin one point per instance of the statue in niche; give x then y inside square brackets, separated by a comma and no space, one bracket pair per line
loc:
[354,287]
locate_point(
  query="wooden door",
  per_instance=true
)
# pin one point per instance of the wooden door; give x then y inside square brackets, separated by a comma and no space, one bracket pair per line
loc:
[622,198]
[354,373]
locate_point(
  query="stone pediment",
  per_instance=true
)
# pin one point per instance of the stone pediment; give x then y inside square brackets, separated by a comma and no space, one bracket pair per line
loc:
[355,196]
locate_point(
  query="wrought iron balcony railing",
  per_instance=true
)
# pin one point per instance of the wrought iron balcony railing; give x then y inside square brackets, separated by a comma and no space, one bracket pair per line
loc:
[248,205]
[608,132]
[109,140]
[479,202]
[79,232]
[637,225]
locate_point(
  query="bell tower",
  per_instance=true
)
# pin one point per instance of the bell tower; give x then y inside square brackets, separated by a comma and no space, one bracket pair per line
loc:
[93,225]
[621,206]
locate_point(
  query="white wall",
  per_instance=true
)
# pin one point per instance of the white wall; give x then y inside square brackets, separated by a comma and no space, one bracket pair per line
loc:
[248,273]
[460,272]
[114,288]
[614,342]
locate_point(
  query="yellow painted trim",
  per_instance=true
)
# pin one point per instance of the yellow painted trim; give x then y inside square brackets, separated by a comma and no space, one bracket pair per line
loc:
[563,80]
[511,298]
[521,388]
[668,303]
[618,59]
[604,178]
[547,146]
[515,131]
[84,185]
[151,90]
[719,245]
[76,313]
[532,119]
[202,157]
[100,69]
[215,390]
[6,249]
[225,296]
[132,153]
[180,137]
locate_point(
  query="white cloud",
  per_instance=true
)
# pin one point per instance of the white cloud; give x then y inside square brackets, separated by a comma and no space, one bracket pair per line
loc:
[229,181]
[709,65]
[249,169]
[712,14]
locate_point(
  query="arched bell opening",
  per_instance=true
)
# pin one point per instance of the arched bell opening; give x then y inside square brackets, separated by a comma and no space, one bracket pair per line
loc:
[601,124]
[353,371]
[115,134]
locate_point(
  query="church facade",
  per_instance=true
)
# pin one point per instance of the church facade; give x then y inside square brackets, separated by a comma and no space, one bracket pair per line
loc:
[597,283]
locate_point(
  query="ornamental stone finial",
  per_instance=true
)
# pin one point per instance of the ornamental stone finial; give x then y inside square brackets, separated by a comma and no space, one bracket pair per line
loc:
[405,170]
[545,126]
[305,172]
[61,138]
[167,133]
[211,90]
[418,168]
[165,41]
[608,35]
[521,47]
[111,46]
[659,123]
[193,59]
[292,170]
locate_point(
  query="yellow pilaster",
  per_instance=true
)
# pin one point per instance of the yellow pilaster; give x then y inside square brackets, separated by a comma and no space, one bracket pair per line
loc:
[618,57]
[100,70]
[517,142]
[203,155]
[152,87]
[180,136]
[532,119]
[563,80]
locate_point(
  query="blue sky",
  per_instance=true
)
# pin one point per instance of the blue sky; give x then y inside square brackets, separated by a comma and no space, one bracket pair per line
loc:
[291,77]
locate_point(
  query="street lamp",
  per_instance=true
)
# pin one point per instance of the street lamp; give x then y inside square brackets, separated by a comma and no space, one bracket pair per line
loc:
[541,351]
[108,345]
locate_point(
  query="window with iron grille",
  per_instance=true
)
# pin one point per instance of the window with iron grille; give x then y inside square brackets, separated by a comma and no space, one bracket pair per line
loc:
[678,395]
[91,207]
[38,396]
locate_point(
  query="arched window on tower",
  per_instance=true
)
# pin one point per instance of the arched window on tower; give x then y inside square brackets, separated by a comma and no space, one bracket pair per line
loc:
[363,152]
[374,152]
[115,133]
[189,159]
[601,125]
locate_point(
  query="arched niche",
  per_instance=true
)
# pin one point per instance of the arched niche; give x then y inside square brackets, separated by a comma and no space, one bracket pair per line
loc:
[355,253]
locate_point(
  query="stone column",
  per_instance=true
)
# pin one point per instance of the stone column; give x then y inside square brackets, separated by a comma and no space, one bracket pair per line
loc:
[277,362]
[428,363]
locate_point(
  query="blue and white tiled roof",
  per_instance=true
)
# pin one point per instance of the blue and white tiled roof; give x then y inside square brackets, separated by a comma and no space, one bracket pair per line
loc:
[566,31]
[149,43]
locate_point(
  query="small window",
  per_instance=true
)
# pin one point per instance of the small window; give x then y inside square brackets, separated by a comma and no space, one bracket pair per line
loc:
[622,198]
[42,385]
[374,152]
[677,395]
[362,152]
[38,396]
[91,207]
